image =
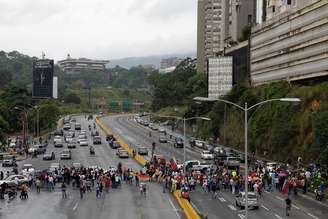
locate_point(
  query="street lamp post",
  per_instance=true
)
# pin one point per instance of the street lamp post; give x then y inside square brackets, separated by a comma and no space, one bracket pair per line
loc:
[37,108]
[246,109]
[184,129]
[25,124]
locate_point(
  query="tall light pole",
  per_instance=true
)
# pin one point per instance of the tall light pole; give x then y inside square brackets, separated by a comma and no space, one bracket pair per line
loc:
[184,128]
[37,109]
[25,124]
[245,109]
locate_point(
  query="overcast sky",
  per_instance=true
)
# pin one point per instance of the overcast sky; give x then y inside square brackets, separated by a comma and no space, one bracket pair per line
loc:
[104,29]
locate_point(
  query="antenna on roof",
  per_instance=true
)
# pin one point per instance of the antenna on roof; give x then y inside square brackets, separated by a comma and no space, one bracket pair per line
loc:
[43,55]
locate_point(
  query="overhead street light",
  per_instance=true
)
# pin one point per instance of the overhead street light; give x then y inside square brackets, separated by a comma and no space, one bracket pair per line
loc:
[246,109]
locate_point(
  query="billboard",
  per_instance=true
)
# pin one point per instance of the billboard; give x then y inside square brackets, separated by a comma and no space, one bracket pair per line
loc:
[43,71]
[219,76]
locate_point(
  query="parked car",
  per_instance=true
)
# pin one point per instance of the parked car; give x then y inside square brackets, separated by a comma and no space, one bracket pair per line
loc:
[114,145]
[162,139]
[66,154]
[14,180]
[71,144]
[96,140]
[8,163]
[49,156]
[178,143]
[207,155]
[142,151]
[77,126]
[122,153]
[84,143]
[252,200]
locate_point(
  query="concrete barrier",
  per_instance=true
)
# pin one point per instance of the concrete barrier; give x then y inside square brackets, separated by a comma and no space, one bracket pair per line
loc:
[189,211]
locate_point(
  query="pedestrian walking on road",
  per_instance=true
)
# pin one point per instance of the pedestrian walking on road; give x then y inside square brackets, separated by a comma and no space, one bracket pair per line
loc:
[81,189]
[288,205]
[63,188]
[38,185]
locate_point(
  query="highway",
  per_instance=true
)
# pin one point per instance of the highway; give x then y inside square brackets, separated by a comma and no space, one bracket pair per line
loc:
[272,205]
[125,202]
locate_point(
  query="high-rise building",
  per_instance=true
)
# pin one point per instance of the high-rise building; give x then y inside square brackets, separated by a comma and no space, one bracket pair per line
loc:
[221,22]
[212,30]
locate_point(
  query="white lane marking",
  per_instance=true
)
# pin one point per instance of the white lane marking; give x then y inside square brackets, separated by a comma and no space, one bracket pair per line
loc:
[295,206]
[277,216]
[174,208]
[222,199]
[281,199]
[311,215]
[241,216]
[75,206]
[265,207]
[195,206]
[232,207]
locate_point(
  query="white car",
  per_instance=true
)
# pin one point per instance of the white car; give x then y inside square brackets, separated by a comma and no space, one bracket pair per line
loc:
[161,129]
[12,144]
[28,169]
[14,180]
[32,150]
[81,138]
[207,155]
[83,143]
[199,143]
[57,138]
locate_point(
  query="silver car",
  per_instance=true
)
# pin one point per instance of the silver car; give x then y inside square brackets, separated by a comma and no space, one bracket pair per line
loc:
[252,200]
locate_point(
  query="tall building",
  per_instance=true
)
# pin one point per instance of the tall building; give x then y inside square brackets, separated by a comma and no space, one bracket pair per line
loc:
[71,66]
[291,46]
[169,64]
[219,23]
[212,30]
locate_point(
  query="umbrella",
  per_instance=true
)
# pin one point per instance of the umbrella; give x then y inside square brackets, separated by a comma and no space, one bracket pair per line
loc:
[282,174]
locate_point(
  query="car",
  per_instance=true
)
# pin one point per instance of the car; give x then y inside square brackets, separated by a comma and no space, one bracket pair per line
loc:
[162,139]
[252,200]
[189,164]
[81,137]
[114,145]
[232,162]
[73,120]
[84,143]
[49,156]
[77,126]
[14,180]
[27,169]
[201,166]
[59,132]
[142,151]
[59,144]
[8,163]
[96,140]
[71,144]
[161,129]
[199,143]
[66,154]
[68,138]
[40,149]
[178,143]
[110,137]
[57,138]
[94,133]
[122,154]
[67,126]
[207,155]
[71,133]
[271,165]
[32,150]
[12,144]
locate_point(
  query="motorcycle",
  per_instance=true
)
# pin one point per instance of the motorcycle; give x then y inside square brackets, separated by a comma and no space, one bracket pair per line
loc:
[318,195]
[92,151]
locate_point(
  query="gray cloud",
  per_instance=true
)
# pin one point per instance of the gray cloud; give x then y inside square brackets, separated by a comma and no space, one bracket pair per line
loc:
[98,28]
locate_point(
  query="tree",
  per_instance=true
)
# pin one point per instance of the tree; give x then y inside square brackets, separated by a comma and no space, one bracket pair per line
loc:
[72,98]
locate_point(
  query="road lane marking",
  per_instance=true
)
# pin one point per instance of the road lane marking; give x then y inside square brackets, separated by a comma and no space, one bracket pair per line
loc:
[281,199]
[195,207]
[241,216]
[174,208]
[265,207]
[222,199]
[277,216]
[311,215]
[295,206]
[232,207]
[75,206]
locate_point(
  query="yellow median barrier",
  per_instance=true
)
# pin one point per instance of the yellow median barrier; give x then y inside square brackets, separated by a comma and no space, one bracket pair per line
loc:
[186,206]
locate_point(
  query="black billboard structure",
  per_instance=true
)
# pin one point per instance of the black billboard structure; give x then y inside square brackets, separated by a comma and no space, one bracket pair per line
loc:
[43,71]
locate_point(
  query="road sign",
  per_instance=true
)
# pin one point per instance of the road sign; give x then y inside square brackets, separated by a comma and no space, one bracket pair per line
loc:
[43,71]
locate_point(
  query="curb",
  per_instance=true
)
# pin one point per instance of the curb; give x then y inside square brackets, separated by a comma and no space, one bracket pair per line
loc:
[188,209]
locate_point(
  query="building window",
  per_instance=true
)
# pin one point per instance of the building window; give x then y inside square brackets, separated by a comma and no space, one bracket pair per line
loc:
[273,9]
[289,2]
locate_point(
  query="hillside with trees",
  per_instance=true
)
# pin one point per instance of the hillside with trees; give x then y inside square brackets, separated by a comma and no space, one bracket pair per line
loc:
[277,130]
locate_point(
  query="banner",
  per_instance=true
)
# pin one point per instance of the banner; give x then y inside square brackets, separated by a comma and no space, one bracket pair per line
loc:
[43,71]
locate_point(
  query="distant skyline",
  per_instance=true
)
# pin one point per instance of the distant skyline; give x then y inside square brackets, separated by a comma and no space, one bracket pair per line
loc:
[98,29]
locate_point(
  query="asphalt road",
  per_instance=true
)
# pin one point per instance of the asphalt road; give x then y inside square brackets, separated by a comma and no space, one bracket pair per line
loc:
[124,202]
[271,204]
